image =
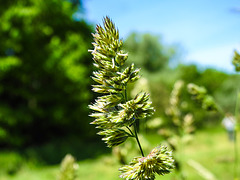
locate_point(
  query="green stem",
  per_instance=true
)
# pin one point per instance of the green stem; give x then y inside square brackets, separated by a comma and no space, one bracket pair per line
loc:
[136,136]
[135,127]
[235,138]
[181,151]
[125,94]
[236,156]
[130,131]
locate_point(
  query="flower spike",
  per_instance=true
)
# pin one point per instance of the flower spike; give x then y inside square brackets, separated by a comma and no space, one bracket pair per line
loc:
[114,113]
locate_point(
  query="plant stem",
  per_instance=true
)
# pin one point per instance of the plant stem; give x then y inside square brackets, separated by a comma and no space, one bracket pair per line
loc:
[235,138]
[136,136]
[181,151]
[130,131]
[236,156]
[125,94]
[135,126]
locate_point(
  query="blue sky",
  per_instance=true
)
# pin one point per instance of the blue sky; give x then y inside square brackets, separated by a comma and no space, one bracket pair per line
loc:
[208,30]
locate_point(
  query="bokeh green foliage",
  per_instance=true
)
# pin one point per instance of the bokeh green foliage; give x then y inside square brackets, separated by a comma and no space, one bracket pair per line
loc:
[44,70]
[162,79]
[148,51]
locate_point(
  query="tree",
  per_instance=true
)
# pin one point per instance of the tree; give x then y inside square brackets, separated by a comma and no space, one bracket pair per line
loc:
[44,70]
[148,51]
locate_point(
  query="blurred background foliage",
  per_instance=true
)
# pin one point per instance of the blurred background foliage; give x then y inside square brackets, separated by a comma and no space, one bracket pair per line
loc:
[44,72]
[148,52]
[45,69]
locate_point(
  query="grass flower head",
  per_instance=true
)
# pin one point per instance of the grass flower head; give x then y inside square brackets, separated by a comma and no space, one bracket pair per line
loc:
[159,161]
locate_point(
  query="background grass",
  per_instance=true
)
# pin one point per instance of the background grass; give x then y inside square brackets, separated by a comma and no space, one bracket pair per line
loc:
[210,148]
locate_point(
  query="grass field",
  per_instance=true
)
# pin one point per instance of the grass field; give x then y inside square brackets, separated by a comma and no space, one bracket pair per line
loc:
[209,150]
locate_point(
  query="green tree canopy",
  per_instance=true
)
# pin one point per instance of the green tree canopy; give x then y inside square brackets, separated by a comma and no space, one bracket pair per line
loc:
[148,51]
[44,70]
